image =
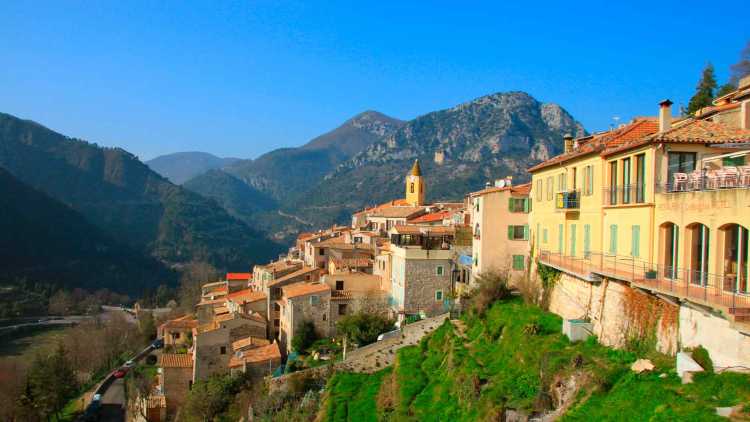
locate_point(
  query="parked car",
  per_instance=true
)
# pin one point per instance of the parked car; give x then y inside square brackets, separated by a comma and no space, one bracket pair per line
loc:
[120,373]
[158,343]
[389,334]
[97,398]
[129,364]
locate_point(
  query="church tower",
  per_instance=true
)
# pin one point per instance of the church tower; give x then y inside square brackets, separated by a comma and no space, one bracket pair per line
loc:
[415,186]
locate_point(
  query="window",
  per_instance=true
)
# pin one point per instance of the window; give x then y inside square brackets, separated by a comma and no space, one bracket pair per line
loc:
[411,187]
[440,270]
[679,162]
[635,241]
[518,232]
[640,178]
[321,252]
[561,182]
[223,350]
[613,239]
[176,335]
[572,240]
[190,384]
[588,180]
[586,240]
[339,284]
[519,262]
[476,205]
[613,183]
[539,188]
[276,307]
[518,204]
[276,322]
[550,189]
[324,316]
[626,181]
[342,308]
[314,300]
[575,178]
[438,295]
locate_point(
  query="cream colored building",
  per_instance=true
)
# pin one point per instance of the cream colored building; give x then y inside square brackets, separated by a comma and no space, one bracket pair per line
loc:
[500,225]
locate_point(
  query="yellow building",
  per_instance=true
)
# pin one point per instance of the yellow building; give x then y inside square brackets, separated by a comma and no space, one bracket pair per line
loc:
[656,204]
[415,186]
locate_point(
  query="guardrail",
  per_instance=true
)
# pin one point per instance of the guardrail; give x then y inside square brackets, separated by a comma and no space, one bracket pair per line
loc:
[725,290]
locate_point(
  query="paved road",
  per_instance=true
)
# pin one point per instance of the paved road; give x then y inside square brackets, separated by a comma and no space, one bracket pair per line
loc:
[69,320]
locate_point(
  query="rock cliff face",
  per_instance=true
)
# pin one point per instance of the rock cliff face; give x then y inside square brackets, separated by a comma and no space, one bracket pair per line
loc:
[490,137]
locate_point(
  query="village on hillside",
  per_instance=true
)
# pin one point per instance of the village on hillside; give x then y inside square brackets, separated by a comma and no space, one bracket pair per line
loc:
[653,210]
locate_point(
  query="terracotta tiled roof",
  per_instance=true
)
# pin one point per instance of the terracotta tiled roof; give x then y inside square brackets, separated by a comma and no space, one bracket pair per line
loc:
[281,265]
[431,217]
[246,295]
[398,211]
[331,241]
[303,289]
[220,310]
[637,129]
[176,360]
[517,190]
[691,132]
[429,230]
[210,302]
[260,354]
[185,321]
[352,262]
[249,342]
[253,316]
[299,273]
[239,276]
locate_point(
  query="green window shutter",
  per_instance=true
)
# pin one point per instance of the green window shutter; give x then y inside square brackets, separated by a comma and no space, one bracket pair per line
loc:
[518,263]
[586,240]
[510,232]
[635,248]
[544,236]
[560,238]
[525,232]
[572,240]
[510,205]
[527,205]
[613,239]
[537,235]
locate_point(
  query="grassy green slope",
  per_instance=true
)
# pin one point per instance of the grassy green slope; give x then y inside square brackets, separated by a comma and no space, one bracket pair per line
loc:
[512,359]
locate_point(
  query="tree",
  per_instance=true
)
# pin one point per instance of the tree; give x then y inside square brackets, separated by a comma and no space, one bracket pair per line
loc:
[209,398]
[704,92]
[491,286]
[364,327]
[61,303]
[304,336]
[193,277]
[147,326]
[742,68]
[52,382]
[725,89]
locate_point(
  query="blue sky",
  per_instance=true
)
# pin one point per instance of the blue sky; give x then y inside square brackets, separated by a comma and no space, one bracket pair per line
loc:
[242,78]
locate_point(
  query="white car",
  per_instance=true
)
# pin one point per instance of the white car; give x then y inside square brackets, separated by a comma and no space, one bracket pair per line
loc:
[96,398]
[129,364]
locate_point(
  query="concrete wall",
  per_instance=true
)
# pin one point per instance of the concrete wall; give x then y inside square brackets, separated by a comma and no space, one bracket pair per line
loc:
[726,346]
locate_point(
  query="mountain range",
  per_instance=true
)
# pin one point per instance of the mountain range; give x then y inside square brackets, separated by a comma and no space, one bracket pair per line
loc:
[127,200]
[180,167]
[363,161]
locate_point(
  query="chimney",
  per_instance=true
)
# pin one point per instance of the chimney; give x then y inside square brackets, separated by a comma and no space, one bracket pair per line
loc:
[665,116]
[568,138]
[745,115]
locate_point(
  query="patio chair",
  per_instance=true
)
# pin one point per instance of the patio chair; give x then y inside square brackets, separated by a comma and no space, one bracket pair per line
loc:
[680,182]
[730,176]
[696,180]
[712,179]
[744,179]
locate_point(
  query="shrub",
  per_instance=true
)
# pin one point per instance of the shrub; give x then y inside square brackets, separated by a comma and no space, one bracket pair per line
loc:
[491,287]
[700,355]
[304,337]
[363,328]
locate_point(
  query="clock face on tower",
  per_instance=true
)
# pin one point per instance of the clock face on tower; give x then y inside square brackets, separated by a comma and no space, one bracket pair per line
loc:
[412,178]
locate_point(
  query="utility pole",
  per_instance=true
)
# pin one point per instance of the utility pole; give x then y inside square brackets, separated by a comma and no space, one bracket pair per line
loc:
[344,347]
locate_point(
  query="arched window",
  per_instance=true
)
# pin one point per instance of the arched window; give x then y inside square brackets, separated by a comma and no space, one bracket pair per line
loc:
[733,244]
[669,234]
[411,187]
[697,239]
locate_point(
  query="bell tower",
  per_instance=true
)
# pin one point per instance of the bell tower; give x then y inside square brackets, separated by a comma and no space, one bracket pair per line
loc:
[415,186]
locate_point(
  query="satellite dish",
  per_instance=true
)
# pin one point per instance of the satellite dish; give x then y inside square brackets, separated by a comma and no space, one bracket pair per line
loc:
[501,183]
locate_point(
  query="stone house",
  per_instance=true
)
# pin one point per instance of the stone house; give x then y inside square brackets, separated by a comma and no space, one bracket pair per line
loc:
[247,301]
[176,379]
[352,292]
[212,344]
[177,331]
[422,264]
[258,361]
[303,302]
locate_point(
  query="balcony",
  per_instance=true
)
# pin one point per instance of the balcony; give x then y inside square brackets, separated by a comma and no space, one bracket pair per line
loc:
[726,293]
[624,195]
[568,201]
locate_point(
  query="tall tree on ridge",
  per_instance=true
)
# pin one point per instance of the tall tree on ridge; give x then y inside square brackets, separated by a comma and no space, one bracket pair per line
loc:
[742,68]
[704,92]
